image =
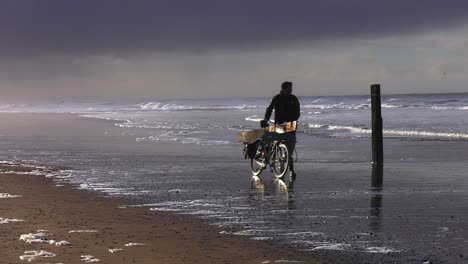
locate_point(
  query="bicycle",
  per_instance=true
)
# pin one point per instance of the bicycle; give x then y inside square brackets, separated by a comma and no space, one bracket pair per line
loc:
[271,149]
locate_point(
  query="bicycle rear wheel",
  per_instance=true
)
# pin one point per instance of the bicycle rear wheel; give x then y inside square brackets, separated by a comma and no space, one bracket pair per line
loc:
[257,164]
[280,162]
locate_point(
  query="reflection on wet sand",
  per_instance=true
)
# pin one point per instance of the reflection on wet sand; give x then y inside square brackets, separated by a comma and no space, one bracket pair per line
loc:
[257,185]
[376,198]
[279,187]
[275,191]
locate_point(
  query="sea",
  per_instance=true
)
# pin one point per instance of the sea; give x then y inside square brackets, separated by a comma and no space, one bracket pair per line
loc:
[198,121]
[192,165]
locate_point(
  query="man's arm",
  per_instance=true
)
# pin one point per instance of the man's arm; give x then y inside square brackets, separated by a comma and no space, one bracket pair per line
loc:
[297,109]
[269,109]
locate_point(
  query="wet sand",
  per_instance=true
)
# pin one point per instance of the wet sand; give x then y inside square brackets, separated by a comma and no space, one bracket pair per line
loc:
[167,238]
[417,216]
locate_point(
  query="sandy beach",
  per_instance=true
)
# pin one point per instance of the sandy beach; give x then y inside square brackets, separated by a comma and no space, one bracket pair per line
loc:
[75,226]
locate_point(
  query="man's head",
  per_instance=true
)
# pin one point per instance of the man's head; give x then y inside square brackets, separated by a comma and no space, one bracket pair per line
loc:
[286,88]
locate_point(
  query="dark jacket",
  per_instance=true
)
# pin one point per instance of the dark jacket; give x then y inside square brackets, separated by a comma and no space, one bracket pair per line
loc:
[287,108]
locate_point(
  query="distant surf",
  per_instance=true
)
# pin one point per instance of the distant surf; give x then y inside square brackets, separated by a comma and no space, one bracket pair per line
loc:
[212,121]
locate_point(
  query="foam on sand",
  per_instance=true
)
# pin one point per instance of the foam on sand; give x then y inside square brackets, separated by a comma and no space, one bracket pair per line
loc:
[383,250]
[62,243]
[332,246]
[89,259]
[131,244]
[41,237]
[308,233]
[261,238]
[281,261]
[7,195]
[83,231]
[34,254]
[8,220]
[114,250]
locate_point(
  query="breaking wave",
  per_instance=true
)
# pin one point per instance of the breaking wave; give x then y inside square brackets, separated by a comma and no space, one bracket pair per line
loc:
[160,106]
[392,132]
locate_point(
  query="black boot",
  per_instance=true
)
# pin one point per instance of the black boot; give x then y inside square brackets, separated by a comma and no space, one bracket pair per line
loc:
[292,175]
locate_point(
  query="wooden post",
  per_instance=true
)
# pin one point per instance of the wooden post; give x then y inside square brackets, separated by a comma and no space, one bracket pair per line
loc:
[377,158]
[377,135]
[377,177]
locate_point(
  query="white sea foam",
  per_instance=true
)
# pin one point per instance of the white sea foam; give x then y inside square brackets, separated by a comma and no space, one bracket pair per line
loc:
[261,238]
[203,212]
[162,209]
[391,132]
[132,244]
[89,259]
[172,137]
[340,105]
[34,172]
[382,250]
[331,246]
[7,196]
[254,118]
[61,243]
[102,117]
[34,254]
[160,106]
[426,134]
[8,220]
[248,232]
[40,237]
[114,250]
[105,188]
[83,231]
[352,129]
[305,233]
[387,105]
[441,108]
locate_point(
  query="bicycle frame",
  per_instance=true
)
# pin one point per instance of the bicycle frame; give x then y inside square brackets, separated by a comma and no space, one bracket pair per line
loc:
[271,150]
[267,154]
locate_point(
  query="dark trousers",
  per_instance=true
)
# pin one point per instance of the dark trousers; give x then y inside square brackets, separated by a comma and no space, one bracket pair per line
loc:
[291,145]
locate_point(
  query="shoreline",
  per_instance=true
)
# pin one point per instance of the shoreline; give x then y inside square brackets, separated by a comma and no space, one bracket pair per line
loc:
[60,212]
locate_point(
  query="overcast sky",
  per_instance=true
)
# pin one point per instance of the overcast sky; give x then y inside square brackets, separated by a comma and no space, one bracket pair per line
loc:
[148,49]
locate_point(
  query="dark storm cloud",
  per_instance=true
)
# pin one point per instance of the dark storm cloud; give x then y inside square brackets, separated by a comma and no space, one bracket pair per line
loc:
[73,27]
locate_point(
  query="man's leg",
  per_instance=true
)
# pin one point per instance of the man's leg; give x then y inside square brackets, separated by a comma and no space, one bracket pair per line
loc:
[291,147]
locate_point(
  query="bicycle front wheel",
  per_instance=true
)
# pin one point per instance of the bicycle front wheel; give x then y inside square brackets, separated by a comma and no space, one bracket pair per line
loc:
[280,160]
[257,164]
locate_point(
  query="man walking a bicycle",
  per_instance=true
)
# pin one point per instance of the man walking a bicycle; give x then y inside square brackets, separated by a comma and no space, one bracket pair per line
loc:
[287,109]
